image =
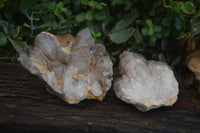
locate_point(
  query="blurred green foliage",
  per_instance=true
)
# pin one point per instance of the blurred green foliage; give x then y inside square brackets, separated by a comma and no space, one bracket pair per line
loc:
[152,28]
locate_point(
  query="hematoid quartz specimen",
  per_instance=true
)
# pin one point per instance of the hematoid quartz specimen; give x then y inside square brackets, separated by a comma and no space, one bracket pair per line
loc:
[74,69]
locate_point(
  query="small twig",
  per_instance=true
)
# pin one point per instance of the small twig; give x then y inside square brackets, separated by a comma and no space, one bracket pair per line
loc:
[164,4]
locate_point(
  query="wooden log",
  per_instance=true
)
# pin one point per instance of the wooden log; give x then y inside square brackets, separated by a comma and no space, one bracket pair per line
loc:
[26,106]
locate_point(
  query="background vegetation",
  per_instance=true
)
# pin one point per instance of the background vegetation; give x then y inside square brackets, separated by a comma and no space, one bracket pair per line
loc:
[153,28]
[159,29]
[165,30]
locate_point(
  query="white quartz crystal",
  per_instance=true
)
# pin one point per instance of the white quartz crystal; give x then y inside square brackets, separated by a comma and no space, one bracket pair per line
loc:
[74,69]
[145,84]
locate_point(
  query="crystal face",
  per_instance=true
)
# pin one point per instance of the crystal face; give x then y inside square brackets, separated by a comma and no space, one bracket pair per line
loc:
[75,69]
[145,84]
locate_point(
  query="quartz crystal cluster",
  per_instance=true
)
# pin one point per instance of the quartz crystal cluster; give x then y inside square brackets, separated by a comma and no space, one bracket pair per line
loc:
[75,69]
[145,84]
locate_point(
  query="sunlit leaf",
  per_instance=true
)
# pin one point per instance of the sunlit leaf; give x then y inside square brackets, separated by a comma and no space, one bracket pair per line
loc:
[150,32]
[18,45]
[149,23]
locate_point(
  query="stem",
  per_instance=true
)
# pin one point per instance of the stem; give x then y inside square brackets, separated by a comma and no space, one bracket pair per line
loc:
[32,26]
[164,4]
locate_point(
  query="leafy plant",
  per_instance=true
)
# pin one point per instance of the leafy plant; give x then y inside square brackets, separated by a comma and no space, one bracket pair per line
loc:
[152,28]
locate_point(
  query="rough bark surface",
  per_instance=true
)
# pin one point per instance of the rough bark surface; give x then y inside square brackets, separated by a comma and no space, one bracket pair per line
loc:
[26,106]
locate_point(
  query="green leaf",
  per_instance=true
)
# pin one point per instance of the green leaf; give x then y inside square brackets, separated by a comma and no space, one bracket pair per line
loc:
[138,37]
[85,2]
[144,31]
[121,36]
[65,10]
[150,32]
[57,12]
[25,5]
[149,23]
[80,17]
[166,22]
[196,29]
[182,35]
[89,15]
[3,39]
[98,34]
[52,24]
[188,8]
[15,32]
[91,3]
[100,15]
[115,2]
[4,25]
[161,57]
[98,5]
[176,61]
[93,33]
[51,5]
[136,46]
[124,22]
[18,45]
[157,28]
[60,5]
[164,44]
[152,41]
[178,23]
